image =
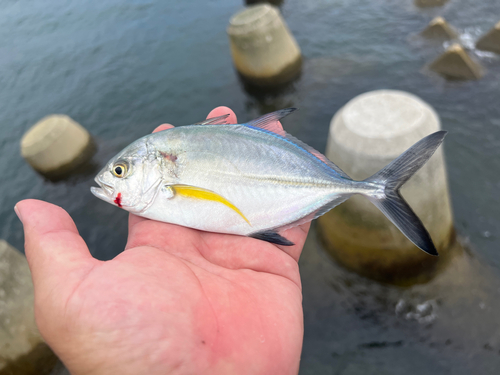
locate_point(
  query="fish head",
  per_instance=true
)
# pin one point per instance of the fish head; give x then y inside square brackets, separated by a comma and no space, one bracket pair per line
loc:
[131,179]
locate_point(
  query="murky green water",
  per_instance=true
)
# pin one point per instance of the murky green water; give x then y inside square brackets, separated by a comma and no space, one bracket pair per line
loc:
[120,68]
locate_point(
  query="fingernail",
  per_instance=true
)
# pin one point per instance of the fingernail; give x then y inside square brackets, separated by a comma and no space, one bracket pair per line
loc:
[18,213]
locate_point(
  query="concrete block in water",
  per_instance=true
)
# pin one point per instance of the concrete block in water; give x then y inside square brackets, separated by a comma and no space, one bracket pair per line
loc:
[491,40]
[439,29]
[273,2]
[56,145]
[455,63]
[430,3]
[22,349]
[263,49]
[365,135]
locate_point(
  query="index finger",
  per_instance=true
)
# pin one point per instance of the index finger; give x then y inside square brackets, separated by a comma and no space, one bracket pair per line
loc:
[275,127]
[221,111]
[163,127]
[57,256]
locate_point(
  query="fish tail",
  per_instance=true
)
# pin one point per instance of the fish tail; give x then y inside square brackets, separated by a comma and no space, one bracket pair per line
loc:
[392,177]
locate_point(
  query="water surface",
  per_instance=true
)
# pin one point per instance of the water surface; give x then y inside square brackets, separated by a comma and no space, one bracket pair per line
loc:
[120,68]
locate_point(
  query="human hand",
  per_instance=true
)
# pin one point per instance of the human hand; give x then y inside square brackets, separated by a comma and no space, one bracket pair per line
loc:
[176,301]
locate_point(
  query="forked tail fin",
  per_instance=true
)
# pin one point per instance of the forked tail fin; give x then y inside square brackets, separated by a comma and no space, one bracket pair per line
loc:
[393,176]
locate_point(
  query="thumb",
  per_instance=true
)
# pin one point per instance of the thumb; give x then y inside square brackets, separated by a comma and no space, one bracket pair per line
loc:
[57,256]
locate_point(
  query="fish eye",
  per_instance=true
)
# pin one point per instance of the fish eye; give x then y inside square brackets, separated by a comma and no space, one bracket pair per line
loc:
[119,170]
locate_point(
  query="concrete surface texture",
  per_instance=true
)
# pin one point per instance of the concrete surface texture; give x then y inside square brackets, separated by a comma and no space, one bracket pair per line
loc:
[430,3]
[438,28]
[365,135]
[455,63]
[22,349]
[263,49]
[55,145]
[491,40]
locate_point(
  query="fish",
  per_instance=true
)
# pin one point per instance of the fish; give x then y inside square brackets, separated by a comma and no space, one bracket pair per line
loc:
[248,180]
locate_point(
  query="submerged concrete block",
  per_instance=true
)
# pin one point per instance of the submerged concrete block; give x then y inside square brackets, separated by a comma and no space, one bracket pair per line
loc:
[22,349]
[491,40]
[263,49]
[430,3]
[55,145]
[439,29]
[365,135]
[455,63]
[273,2]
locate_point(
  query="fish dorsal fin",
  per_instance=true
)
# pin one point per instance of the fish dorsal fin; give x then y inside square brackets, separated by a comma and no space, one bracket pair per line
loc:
[220,120]
[268,122]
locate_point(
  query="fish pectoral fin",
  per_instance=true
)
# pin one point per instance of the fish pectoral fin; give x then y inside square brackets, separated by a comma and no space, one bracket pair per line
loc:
[195,192]
[272,237]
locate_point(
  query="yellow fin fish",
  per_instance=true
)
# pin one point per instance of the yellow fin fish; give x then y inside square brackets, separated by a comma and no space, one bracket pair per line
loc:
[220,177]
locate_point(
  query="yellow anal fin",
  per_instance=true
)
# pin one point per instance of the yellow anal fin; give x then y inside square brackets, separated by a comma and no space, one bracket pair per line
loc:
[189,191]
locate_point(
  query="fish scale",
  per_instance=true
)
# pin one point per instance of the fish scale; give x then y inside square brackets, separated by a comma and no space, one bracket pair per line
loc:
[245,179]
[300,190]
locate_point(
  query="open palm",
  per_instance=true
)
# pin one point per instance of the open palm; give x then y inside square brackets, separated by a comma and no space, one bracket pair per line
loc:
[176,301]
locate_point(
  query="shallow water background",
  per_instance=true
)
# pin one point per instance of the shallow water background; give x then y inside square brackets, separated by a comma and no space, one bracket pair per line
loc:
[120,68]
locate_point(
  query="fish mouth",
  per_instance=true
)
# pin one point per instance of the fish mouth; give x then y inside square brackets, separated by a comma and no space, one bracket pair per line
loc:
[104,192]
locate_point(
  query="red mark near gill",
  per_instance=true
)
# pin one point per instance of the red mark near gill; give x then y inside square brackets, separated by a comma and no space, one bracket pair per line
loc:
[168,156]
[118,200]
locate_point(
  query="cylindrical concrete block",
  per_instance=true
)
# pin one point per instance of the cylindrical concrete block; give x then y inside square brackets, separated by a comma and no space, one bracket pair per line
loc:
[430,3]
[273,2]
[55,145]
[365,135]
[263,49]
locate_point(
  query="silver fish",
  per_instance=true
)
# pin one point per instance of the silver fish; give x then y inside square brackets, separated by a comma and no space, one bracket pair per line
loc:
[245,179]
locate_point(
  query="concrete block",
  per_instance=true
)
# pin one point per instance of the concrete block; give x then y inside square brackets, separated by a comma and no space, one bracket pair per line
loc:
[263,49]
[430,3]
[491,40]
[365,135]
[439,29]
[56,145]
[22,349]
[455,63]
[273,2]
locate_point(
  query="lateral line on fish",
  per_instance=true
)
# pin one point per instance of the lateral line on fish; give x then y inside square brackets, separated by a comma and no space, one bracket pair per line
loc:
[279,180]
[189,191]
[283,181]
